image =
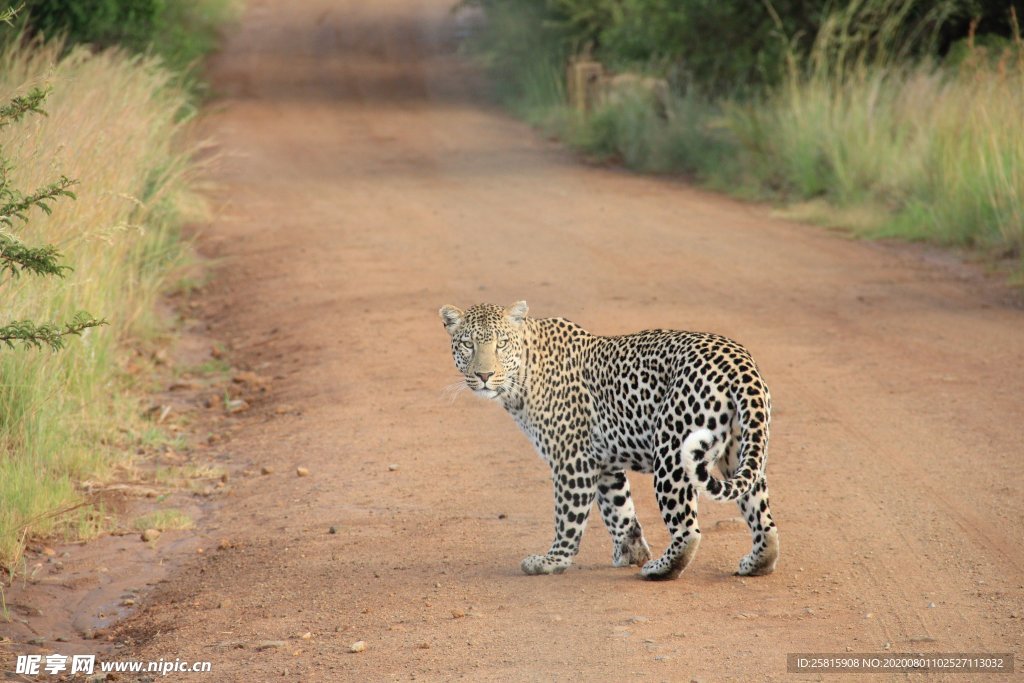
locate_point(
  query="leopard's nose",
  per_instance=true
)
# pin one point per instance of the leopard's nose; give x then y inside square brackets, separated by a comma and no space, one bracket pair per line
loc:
[484,376]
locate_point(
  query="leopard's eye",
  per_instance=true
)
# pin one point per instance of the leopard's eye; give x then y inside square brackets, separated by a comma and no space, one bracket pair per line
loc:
[466,344]
[502,342]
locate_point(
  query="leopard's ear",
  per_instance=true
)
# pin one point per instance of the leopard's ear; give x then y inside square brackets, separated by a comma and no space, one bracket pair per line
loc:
[451,317]
[516,313]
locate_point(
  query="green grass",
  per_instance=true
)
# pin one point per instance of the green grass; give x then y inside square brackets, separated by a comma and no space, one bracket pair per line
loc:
[211,367]
[164,520]
[151,437]
[114,124]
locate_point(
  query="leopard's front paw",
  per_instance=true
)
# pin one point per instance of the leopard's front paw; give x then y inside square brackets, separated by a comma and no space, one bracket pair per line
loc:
[544,564]
[632,550]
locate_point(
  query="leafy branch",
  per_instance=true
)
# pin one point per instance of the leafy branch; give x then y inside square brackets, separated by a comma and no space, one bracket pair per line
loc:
[16,204]
[15,110]
[29,334]
[15,257]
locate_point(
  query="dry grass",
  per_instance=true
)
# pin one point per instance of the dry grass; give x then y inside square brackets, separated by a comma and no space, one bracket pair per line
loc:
[114,124]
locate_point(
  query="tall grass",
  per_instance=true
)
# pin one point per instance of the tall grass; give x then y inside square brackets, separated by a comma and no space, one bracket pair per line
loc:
[937,150]
[867,135]
[971,186]
[114,123]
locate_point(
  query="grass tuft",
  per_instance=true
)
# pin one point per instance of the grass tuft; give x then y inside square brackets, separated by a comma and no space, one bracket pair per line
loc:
[164,520]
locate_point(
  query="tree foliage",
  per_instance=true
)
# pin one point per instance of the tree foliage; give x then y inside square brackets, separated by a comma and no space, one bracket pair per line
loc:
[37,335]
[130,23]
[179,31]
[728,46]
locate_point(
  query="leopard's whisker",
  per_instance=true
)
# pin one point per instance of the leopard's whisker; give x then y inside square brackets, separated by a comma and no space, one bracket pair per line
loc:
[452,391]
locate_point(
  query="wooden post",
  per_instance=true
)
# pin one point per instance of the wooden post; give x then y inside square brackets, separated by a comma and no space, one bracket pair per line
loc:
[583,79]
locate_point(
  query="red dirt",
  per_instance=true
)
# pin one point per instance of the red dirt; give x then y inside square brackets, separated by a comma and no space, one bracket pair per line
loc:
[365,184]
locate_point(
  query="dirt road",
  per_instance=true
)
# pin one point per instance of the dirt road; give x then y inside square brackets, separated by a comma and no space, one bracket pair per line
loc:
[364,184]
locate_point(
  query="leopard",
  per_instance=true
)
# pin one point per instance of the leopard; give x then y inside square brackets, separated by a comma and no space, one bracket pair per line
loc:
[677,404]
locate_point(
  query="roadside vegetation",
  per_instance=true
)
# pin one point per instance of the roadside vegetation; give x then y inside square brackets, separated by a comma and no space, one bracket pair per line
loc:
[178,33]
[117,108]
[894,118]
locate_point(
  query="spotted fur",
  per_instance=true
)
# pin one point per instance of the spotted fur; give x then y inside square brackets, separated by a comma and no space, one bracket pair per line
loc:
[673,403]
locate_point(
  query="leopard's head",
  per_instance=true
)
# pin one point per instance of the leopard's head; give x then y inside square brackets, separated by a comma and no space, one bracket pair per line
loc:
[487,344]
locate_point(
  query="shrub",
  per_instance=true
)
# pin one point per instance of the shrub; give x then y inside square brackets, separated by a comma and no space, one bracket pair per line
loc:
[179,32]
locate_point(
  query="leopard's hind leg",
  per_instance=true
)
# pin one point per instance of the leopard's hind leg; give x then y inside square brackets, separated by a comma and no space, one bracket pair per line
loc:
[677,499]
[756,513]
[765,551]
[616,504]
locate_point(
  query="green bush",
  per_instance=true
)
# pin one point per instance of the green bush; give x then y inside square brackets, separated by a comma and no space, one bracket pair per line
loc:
[130,23]
[725,47]
[715,44]
[719,46]
[179,32]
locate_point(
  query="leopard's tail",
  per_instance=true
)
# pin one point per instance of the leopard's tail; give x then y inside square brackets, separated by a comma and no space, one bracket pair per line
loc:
[702,449]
